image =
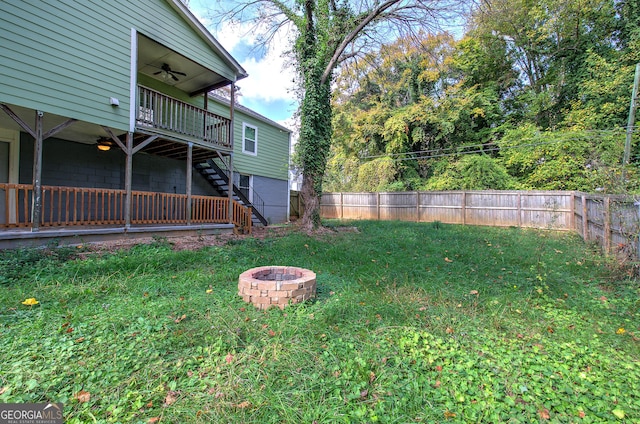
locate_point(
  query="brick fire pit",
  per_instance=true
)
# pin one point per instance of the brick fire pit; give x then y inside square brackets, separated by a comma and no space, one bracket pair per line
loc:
[268,286]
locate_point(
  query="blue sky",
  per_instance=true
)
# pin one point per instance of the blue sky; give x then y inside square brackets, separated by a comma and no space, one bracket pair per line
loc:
[268,88]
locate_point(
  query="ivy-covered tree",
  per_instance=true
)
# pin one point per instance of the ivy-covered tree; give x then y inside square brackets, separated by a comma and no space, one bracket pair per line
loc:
[326,33]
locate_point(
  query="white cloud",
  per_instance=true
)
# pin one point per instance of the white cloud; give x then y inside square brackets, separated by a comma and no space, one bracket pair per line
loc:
[269,78]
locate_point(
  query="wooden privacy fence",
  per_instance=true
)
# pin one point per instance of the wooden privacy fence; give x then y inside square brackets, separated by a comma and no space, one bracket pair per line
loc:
[612,221]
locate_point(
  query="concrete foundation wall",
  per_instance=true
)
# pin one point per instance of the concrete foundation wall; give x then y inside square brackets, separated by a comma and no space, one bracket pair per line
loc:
[83,165]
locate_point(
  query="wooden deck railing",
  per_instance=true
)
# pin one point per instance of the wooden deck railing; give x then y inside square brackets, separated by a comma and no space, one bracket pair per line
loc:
[76,206]
[157,111]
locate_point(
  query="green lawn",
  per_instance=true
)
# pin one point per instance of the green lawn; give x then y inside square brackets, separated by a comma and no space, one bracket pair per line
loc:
[413,323]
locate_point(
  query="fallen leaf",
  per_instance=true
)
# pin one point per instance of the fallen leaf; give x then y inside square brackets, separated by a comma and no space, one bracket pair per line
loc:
[69,330]
[550,330]
[449,330]
[2,390]
[171,398]
[438,383]
[229,358]
[474,292]
[179,319]
[243,405]
[447,260]
[619,413]
[372,377]
[439,368]
[209,291]
[621,331]
[364,393]
[272,333]
[449,415]
[581,414]
[153,420]
[30,301]
[544,414]
[82,396]
[80,340]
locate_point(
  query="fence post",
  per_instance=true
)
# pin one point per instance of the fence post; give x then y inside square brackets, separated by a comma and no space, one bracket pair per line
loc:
[572,211]
[519,207]
[418,206]
[378,204]
[585,219]
[607,225]
[464,208]
[341,206]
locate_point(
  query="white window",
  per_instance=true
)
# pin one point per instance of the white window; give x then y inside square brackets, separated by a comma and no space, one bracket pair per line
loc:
[249,139]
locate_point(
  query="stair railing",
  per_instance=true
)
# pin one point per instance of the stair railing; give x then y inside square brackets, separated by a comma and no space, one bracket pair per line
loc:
[257,203]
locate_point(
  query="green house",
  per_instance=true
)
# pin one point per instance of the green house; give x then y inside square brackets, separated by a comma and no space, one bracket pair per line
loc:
[112,124]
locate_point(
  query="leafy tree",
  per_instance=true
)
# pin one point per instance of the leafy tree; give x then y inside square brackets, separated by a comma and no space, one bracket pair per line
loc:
[472,172]
[572,159]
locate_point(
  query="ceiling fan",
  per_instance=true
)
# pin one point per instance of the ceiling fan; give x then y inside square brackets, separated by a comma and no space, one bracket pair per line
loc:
[167,72]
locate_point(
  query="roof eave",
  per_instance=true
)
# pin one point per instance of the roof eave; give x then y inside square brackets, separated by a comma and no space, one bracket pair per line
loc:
[196,25]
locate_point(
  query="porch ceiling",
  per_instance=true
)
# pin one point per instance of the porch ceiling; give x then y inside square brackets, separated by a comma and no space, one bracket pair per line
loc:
[152,56]
[79,131]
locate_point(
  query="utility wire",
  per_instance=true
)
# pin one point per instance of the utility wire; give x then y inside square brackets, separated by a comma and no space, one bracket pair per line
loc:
[479,148]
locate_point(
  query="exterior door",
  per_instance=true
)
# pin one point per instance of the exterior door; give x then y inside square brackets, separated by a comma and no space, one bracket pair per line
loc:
[9,154]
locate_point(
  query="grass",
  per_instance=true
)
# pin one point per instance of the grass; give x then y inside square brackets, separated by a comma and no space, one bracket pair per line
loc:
[413,323]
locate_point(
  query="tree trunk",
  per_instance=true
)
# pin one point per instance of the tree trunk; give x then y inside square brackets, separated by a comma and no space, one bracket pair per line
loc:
[311,215]
[314,144]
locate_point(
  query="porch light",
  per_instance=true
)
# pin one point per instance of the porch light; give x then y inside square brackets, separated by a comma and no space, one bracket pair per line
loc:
[104,144]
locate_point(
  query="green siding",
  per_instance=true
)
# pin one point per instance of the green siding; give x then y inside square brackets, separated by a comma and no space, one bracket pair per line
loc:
[272,159]
[68,57]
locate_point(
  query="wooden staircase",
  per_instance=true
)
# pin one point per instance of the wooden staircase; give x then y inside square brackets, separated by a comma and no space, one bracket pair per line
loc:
[216,172]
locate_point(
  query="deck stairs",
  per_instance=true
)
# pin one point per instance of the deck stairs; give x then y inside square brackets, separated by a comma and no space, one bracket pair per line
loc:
[216,172]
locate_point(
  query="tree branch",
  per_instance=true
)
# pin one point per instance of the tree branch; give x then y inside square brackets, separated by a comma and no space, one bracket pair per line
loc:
[365,20]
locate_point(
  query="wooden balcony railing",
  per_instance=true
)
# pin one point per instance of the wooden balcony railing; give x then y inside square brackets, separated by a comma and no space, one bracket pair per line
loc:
[157,111]
[76,206]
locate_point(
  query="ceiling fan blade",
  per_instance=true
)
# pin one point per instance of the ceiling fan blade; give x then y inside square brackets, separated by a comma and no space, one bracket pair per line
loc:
[179,73]
[173,76]
[157,73]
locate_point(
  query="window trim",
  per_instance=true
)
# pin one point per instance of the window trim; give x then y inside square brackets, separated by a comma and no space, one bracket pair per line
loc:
[244,138]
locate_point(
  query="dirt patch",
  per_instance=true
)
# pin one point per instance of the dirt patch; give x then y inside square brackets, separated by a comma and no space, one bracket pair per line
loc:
[187,242]
[199,242]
